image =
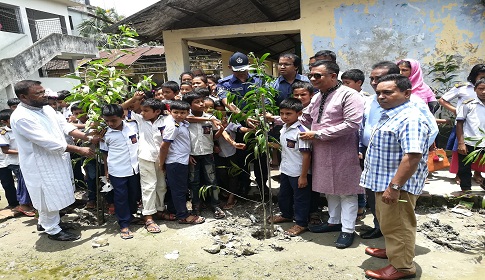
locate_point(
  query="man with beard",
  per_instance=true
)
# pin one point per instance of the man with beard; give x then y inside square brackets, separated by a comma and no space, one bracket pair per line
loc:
[44,156]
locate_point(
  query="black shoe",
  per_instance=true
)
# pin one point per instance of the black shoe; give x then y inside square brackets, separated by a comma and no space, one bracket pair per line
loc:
[371,234]
[344,240]
[63,226]
[64,236]
[324,228]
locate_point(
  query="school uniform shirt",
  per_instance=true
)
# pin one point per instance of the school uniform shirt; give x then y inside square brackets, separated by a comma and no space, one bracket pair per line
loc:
[227,149]
[460,92]
[149,147]
[202,137]
[291,148]
[179,136]
[122,148]
[7,139]
[472,111]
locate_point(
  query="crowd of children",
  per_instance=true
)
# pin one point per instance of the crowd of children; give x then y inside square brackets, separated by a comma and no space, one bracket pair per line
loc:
[162,147]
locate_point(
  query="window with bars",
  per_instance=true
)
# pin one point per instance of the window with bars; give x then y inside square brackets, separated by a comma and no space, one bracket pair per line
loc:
[10,20]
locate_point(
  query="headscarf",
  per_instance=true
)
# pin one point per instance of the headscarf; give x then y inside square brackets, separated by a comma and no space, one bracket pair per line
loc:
[419,87]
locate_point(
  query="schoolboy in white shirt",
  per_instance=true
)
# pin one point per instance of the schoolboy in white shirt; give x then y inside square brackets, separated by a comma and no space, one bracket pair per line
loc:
[120,147]
[9,147]
[294,196]
[202,136]
[470,122]
[174,159]
[151,123]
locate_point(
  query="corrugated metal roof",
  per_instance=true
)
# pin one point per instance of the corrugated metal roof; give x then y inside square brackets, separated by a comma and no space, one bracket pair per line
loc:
[181,14]
[127,58]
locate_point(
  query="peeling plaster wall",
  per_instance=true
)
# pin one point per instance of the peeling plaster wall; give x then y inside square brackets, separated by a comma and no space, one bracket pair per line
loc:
[365,32]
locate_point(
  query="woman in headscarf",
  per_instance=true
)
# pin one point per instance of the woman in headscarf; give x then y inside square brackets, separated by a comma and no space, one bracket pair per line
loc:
[411,68]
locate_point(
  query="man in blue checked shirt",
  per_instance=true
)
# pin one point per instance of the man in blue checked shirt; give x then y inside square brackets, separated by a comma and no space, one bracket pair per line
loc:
[395,169]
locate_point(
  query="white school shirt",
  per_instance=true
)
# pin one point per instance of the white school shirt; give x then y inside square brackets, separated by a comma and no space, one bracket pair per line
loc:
[461,92]
[8,139]
[122,148]
[202,137]
[291,147]
[148,147]
[179,136]
[472,112]
[227,149]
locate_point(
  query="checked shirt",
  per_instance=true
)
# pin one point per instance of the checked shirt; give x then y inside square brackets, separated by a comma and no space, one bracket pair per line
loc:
[401,130]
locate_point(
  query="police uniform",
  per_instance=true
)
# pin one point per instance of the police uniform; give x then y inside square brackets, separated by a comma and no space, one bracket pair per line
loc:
[472,113]
[233,85]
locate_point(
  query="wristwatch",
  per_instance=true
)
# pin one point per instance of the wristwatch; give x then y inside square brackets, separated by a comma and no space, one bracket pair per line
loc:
[316,136]
[396,187]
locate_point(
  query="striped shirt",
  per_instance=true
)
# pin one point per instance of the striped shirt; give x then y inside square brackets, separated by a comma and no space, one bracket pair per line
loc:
[401,130]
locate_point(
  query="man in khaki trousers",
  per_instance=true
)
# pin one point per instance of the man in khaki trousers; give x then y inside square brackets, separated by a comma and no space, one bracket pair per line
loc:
[395,169]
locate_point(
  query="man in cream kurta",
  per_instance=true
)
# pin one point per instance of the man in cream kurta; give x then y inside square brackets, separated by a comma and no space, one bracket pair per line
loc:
[44,157]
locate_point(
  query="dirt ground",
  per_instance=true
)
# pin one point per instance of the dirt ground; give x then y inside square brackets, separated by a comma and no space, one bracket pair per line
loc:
[449,246]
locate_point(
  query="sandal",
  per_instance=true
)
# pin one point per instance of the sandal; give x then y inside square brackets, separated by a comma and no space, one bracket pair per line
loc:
[218,213]
[152,227]
[28,213]
[90,205]
[295,230]
[229,206]
[276,219]
[478,178]
[360,216]
[195,220]
[126,234]
[315,219]
[165,216]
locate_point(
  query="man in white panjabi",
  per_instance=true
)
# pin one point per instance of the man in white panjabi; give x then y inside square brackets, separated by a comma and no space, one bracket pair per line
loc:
[44,156]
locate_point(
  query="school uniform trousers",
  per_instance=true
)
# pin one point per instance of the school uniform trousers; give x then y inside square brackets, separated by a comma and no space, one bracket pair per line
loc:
[154,186]
[178,183]
[126,192]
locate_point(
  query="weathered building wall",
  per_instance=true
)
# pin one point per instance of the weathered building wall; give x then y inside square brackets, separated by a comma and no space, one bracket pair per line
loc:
[364,32]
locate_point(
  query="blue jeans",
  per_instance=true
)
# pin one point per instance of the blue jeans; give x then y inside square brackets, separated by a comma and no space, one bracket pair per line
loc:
[8,185]
[23,196]
[293,200]
[90,168]
[205,166]
[177,183]
[126,193]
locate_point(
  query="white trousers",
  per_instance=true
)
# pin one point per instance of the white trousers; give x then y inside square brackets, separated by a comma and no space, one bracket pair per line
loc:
[153,187]
[342,209]
[49,220]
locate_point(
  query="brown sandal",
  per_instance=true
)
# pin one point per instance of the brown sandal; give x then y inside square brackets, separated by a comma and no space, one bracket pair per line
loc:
[295,230]
[165,215]
[278,219]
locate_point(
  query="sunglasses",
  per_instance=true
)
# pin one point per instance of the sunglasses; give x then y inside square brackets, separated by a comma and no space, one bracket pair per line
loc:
[316,75]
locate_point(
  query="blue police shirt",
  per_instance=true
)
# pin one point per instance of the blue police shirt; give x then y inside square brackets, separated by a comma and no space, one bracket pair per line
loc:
[233,85]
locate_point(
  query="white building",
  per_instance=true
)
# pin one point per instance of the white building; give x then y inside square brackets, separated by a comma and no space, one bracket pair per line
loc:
[34,33]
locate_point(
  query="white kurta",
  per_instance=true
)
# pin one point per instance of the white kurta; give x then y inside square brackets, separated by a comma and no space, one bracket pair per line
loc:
[45,165]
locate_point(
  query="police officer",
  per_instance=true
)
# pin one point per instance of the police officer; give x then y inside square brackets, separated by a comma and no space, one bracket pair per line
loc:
[239,84]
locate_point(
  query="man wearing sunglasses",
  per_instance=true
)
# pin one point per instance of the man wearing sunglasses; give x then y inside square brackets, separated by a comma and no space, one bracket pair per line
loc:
[335,113]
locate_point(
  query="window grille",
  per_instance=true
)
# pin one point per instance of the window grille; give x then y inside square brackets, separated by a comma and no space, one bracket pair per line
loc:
[10,20]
